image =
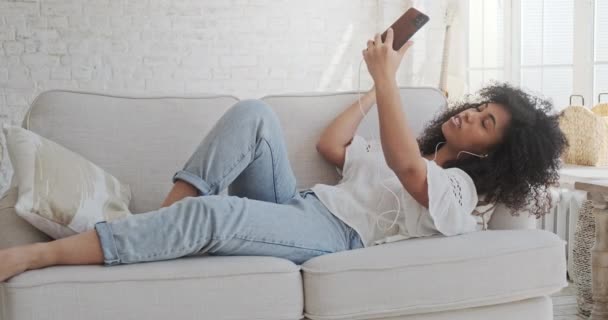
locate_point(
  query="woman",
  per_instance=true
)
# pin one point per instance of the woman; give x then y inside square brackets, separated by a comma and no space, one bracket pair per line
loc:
[506,148]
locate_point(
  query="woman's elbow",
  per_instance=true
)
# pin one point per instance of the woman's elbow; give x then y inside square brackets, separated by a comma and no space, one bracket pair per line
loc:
[415,167]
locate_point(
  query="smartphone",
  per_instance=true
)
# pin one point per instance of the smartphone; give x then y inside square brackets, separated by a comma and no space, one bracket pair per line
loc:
[406,26]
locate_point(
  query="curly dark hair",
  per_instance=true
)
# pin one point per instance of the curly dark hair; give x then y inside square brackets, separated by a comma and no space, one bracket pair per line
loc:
[519,171]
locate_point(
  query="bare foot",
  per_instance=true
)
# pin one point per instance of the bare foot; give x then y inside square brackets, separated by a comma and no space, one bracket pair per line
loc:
[13,261]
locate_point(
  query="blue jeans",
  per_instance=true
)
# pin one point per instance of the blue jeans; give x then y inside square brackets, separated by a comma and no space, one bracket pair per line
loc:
[264,215]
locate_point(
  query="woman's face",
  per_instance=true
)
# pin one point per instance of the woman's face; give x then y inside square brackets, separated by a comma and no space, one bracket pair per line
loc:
[477,129]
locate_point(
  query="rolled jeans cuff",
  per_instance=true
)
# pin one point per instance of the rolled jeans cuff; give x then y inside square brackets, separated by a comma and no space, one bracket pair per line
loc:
[108,246]
[196,181]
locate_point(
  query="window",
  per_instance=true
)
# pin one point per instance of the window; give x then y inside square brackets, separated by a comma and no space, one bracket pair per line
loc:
[486,43]
[546,48]
[531,44]
[600,60]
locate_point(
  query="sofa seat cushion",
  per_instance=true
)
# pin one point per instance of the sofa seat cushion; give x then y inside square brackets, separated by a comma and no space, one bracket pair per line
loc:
[200,287]
[432,274]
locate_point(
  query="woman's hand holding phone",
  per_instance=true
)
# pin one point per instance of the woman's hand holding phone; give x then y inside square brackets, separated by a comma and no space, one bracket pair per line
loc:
[381,59]
[383,55]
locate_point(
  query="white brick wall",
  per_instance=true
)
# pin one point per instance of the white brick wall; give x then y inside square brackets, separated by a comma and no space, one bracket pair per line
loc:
[247,48]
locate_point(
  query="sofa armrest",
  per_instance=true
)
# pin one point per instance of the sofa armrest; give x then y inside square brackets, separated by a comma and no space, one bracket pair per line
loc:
[15,231]
[502,219]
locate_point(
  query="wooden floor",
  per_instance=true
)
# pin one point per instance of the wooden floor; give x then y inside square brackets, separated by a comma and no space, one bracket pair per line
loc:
[564,304]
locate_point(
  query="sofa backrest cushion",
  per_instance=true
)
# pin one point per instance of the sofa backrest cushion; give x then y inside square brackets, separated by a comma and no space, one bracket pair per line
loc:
[142,141]
[304,116]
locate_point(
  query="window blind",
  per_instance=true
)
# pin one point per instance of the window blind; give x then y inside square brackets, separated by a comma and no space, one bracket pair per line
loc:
[547,29]
[486,43]
[600,63]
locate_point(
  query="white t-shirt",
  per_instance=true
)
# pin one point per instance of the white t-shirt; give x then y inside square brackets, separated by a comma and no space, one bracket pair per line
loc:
[359,199]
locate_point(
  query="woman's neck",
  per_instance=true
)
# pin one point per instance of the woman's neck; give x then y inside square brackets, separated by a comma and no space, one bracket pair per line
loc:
[443,155]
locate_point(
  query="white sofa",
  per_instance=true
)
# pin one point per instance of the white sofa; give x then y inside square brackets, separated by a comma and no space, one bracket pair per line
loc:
[504,273]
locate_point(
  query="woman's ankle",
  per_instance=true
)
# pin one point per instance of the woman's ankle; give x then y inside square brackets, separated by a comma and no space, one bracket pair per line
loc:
[39,255]
[179,191]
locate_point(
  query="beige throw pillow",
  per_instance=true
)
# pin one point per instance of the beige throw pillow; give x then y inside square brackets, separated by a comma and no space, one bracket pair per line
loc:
[60,192]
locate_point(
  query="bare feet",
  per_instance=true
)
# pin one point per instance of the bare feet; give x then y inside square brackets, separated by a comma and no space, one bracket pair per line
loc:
[13,261]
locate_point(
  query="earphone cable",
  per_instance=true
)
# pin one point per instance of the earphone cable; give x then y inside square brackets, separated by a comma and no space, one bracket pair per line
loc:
[378,216]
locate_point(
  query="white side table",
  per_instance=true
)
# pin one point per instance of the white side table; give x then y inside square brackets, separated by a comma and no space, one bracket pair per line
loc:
[565,214]
[597,191]
[569,174]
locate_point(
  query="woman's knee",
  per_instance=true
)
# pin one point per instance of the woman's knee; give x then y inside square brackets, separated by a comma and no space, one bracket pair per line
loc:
[254,108]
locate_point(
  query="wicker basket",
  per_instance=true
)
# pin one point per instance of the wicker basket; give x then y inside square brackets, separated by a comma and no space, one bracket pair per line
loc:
[584,238]
[587,135]
[601,109]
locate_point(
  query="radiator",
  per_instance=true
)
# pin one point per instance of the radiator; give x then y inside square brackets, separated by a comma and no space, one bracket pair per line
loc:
[562,219]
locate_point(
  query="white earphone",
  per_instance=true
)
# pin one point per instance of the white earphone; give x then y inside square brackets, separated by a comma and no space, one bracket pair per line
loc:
[473,154]
[377,217]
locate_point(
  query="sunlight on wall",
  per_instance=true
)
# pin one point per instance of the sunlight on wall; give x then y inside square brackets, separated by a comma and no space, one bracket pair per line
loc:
[347,80]
[337,57]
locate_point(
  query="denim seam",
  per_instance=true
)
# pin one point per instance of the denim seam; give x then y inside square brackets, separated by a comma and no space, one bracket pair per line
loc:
[199,180]
[226,172]
[113,241]
[280,244]
[274,178]
[198,244]
[108,235]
